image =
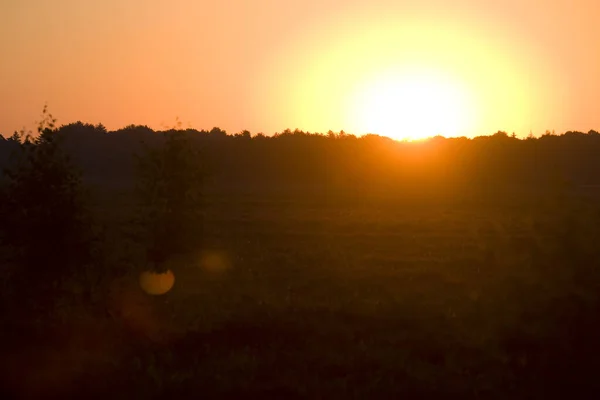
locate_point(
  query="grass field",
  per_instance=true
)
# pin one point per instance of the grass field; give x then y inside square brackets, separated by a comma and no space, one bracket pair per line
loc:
[290,297]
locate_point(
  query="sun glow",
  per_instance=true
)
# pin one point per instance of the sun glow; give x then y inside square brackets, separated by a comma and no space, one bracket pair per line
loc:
[410,78]
[413,105]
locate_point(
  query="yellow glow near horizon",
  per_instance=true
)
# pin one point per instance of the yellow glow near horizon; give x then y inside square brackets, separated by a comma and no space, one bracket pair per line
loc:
[413,79]
[267,65]
[413,105]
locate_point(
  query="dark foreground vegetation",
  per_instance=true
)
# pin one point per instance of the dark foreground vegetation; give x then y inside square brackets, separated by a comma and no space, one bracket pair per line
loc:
[307,266]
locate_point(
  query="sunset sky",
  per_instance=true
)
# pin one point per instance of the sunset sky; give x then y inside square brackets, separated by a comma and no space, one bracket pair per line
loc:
[406,69]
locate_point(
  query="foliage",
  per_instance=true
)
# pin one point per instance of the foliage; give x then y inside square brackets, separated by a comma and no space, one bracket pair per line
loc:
[44,230]
[170,198]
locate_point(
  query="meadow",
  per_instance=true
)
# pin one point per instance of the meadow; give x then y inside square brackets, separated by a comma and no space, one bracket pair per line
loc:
[298,296]
[306,265]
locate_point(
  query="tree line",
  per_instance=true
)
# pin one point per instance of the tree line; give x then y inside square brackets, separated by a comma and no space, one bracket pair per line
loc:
[485,164]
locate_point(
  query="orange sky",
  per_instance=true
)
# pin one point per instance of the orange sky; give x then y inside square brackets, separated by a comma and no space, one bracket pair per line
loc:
[267,65]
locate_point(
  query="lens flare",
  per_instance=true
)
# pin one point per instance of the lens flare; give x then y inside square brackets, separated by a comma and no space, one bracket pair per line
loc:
[214,262]
[154,283]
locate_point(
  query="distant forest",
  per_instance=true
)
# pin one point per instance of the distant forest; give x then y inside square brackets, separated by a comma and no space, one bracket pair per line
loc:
[485,165]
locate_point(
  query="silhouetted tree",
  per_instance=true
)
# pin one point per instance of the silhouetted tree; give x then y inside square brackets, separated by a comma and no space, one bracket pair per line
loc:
[245,134]
[170,198]
[44,225]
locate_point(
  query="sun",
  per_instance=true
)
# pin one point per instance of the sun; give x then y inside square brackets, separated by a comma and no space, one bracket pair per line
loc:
[413,105]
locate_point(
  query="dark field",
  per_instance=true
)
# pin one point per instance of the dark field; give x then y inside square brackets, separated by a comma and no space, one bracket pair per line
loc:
[298,296]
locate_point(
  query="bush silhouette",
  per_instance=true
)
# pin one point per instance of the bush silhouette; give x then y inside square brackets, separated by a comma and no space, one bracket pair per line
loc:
[45,228]
[170,199]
